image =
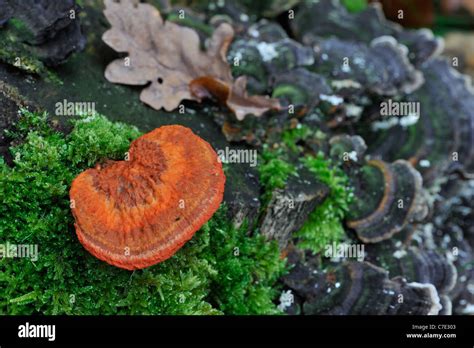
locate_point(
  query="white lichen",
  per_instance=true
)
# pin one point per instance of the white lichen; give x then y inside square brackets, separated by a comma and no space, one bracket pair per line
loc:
[353,110]
[409,120]
[244,17]
[353,156]
[267,51]
[399,254]
[340,84]
[424,163]
[286,300]
[404,121]
[331,99]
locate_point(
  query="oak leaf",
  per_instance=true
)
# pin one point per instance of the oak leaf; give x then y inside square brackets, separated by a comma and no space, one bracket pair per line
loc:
[168,57]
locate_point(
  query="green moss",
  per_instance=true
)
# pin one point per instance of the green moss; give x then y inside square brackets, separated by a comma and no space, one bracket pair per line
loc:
[247,267]
[324,225]
[293,94]
[274,171]
[21,29]
[15,52]
[97,138]
[355,5]
[292,136]
[204,277]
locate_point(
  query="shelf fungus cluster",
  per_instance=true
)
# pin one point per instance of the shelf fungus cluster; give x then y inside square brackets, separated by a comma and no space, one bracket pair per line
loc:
[355,288]
[421,264]
[371,62]
[324,19]
[136,213]
[411,103]
[383,105]
[437,144]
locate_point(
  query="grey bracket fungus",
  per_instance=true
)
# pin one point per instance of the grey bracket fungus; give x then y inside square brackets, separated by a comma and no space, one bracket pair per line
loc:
[352,145]
[265,52]
[436,144]
[387,195]
[381,67]
[419,264]
[356,288]
[301,87]
[452,234]
[325,19]
[389,192]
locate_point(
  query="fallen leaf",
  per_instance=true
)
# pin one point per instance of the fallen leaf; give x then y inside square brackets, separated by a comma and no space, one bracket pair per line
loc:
[169,57]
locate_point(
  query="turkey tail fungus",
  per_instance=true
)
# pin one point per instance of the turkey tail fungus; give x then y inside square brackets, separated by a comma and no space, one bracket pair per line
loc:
[136,213]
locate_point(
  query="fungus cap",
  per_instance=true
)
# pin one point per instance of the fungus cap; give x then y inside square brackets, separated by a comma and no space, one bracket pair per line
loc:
[136,213]
[395,202]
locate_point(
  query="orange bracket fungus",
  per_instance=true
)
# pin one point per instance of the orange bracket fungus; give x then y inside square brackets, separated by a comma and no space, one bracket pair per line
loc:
[136,213]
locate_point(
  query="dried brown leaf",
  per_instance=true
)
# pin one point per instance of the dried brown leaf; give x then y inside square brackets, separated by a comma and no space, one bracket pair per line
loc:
[169,57]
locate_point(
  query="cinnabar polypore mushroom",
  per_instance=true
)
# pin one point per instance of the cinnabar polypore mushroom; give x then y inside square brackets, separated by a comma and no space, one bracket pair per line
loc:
[136,213]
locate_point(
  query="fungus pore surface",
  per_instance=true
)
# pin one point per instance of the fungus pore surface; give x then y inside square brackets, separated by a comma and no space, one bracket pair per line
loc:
[136,213]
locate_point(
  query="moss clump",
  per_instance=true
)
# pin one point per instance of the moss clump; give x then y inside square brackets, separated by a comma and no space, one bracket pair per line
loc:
[291,137]
[14,51]
[66,279]
[324,224]
[355,5]
[247,268]
[274,171]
